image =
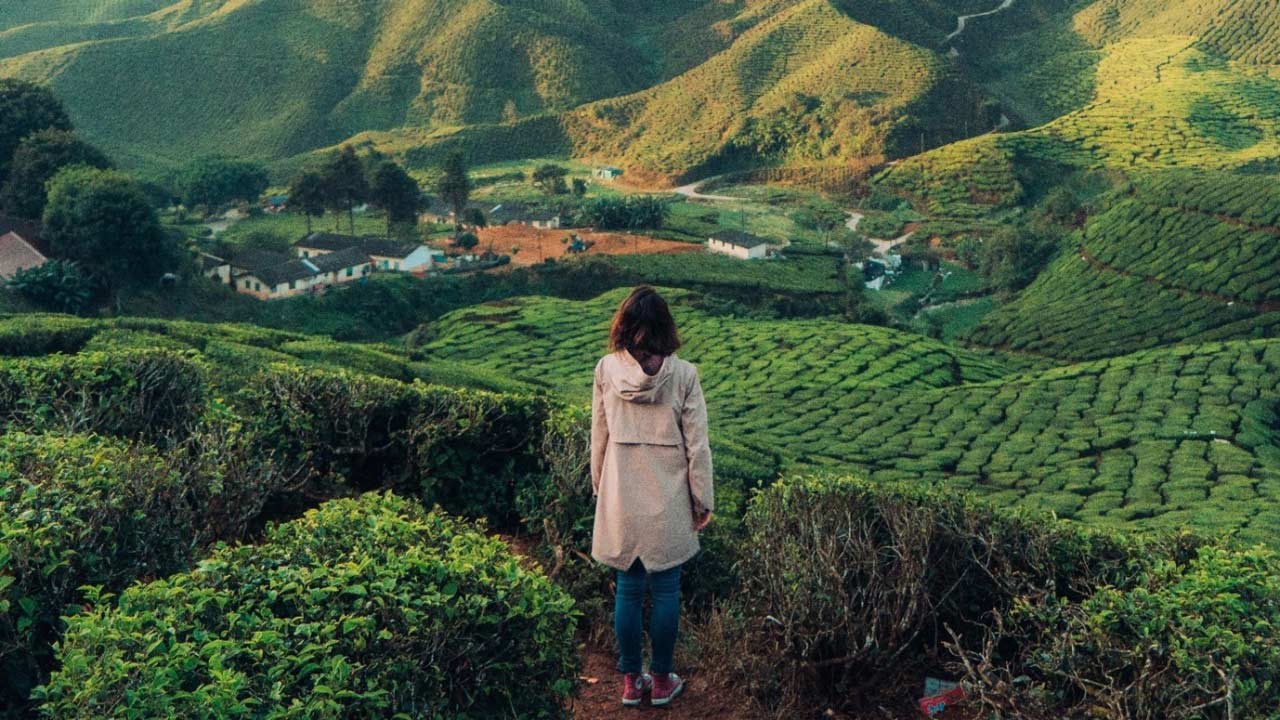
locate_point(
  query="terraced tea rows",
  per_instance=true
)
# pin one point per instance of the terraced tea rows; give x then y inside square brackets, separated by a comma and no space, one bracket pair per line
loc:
[1153,269]
[1181,436]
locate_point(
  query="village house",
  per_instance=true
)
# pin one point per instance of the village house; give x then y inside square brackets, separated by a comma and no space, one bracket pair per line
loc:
[269,275]
[387,255]
[21,246]
[738,244]
[877,272]
[606,173]
[215,268]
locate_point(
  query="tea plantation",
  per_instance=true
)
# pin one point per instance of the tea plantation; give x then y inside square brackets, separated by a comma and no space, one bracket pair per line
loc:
[1176,257]
[1180,436]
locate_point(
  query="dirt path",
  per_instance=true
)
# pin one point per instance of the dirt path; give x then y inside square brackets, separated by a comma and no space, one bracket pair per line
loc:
[691,191]
[963,21]
[882,246]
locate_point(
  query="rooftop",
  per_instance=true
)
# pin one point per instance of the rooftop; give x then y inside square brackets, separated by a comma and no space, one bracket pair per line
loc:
[339,260]
[739,238]
[370,244]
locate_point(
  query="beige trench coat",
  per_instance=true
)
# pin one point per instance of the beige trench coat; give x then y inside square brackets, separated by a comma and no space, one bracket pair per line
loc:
[650,462]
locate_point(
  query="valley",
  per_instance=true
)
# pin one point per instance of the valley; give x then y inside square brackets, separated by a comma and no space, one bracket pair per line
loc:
[300,302]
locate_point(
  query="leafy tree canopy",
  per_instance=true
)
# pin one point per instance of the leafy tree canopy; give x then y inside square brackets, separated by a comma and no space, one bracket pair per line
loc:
[26,108]
[216,181]
[101,219]
[454,186]
[38,158]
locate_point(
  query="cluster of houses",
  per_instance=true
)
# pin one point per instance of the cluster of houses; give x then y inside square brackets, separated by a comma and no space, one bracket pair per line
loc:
[318,261]
[877,272]
[21,247]
[495,215]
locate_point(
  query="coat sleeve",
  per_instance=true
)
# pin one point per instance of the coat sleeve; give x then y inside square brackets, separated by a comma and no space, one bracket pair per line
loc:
[697,447]
[599,432]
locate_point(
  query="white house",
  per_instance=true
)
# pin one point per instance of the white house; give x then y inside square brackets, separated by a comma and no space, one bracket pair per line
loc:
[738,244]
[606,173]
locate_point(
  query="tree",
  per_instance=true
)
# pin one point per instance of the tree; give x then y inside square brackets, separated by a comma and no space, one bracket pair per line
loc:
[475,217]
[466,241]
[263,240]
[26,108]
[38,158]
[307,194]
[550,178]
[101,220]
[1012,258]
[395,193]
[57,285]
[216,181]
[345,183]
[453,185]
[579,187]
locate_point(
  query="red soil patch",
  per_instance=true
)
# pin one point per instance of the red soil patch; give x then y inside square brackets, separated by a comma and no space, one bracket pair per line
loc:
[537,245]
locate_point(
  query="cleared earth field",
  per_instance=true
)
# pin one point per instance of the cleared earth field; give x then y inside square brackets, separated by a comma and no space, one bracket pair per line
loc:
[532,246]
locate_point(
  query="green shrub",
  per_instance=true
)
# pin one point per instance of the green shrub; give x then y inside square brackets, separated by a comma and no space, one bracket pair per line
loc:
[1192,640]
[466,450]
[156,396]
[75,511]
[368,607]
[31,335]
[847,582]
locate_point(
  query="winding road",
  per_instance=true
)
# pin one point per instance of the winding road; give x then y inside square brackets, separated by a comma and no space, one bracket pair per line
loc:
[963,22]
[691,191]
[882,246]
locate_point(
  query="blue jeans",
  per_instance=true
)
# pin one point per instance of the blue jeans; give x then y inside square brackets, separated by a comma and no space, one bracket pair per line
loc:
[628,617]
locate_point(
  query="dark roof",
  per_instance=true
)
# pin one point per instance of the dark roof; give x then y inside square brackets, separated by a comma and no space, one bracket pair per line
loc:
[209,262]
[30,231]
[258,260]
[739,238]
[436,206]
[541,215]
[369,244]
[287,272]
[340,260]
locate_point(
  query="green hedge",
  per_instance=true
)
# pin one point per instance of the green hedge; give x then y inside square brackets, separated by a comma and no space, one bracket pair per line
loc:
[76,511]
[368,607]
[156,396]
[847,584]
[467,450]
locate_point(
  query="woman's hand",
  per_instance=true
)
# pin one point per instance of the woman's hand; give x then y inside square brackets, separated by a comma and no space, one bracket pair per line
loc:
[701,520]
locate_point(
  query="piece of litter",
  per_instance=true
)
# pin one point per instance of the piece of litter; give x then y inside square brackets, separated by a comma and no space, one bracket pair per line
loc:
[588,680]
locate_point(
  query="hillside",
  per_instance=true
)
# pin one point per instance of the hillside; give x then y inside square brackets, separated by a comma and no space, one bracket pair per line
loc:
[1177,257]
[1149,439]
[692,84]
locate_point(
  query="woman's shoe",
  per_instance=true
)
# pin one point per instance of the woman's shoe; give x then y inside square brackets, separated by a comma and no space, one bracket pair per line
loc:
[666,686]
[634,686]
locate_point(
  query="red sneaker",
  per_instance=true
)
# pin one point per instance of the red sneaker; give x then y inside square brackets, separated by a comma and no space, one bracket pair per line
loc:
[633,688]
[666,687]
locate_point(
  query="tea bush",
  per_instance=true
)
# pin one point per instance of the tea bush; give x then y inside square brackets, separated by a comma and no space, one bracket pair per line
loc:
[368,607]
[156,396]
[846,583]
[76,511]
[464,449]
[1192,639]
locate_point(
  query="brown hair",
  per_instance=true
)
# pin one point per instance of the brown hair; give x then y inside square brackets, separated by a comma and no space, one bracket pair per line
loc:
[644,324]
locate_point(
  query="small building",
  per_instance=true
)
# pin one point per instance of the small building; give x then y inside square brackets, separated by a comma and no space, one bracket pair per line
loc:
[738,244]
[269,275]
[875,273]
[544,219]
[216,268]
[21,246]
[388,255]
[275,204]
[607,173]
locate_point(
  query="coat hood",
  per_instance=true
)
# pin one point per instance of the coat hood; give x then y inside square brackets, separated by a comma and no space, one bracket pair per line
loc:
[633,384]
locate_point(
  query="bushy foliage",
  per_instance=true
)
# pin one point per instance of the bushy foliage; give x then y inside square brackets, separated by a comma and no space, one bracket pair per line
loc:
[76,511]
[26,108]
[466,450]
[1188,639]
[216,181]
[37,159]
[156,396]
[630,212]
[364,607]
[57,285]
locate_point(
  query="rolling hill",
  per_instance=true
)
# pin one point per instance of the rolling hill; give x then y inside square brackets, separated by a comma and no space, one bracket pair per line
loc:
[683,86]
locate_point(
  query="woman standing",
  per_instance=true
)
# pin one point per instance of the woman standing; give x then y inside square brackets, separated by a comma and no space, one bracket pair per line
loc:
[651,473]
